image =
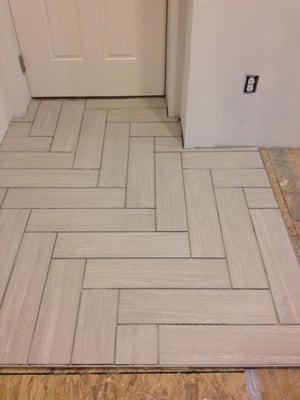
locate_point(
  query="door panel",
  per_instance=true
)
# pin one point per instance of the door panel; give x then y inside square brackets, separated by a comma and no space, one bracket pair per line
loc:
[92,47]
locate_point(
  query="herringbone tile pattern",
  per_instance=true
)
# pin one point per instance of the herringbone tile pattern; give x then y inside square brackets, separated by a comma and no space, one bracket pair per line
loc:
[119,247]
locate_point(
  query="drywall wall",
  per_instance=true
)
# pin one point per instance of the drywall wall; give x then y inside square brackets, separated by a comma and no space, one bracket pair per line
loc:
[14,91]
[226,40]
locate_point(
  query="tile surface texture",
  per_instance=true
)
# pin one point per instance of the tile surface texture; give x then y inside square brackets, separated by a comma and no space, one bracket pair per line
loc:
[120,248]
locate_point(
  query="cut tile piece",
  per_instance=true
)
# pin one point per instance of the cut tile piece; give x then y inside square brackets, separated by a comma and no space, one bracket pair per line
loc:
[137,344]
[64,198]
[139,115]
[54,332]
[89,148]
[156,273]
[48,178]
[36,160]
[168,144]
[23,296]
[141,102]
[113,171]
[170,201]
[25,143]
[260,198]
[46,118]
[12,225]
[204,228]
[96,327]
[244,259]
[68,127]
[228,159]
[121,245]
[30,112]
[140,187]
[18,129]
[156,129]
[230,346]
[280,262]
[240,178]
[91,220]
[196,307]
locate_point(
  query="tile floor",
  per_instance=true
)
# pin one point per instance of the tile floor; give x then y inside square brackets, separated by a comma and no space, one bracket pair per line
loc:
[118,247]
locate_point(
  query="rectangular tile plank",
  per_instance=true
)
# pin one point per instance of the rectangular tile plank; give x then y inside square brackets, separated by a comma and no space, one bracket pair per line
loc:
[30,112]
[12,225]
[240,178]
[280,262]
[196,307]
[36,160]
[21,302]
[140,186]
[48,178]
[141,102]
[260,198]
[46,118]
[64,198]
[89,148]
[68,127]
[156,273]
[137,344]
[139,115]
[26,143]
[91,220]
[170,201]
[204,228]
[96,328]
[243,255]
[156,129]
[168,144]
[211,160]
[54,332]
[18,129]
[121,245]
[113,171]
[230,346]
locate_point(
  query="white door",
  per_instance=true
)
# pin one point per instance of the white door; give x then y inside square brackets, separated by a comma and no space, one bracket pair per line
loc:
[92,47]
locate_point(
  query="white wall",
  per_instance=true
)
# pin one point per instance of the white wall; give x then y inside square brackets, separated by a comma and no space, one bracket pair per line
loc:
[14,91]
[228,40]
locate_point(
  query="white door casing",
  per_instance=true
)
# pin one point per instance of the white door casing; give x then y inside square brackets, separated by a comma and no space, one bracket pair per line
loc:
[92,47]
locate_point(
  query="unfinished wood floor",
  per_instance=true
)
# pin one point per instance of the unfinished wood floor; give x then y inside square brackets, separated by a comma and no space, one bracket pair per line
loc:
[120,248]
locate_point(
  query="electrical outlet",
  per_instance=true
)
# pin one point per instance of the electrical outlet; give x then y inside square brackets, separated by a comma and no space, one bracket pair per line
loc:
[251,84]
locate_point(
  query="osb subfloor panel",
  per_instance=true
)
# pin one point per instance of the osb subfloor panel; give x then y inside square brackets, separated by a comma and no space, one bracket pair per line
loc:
[125,387]
[119,248]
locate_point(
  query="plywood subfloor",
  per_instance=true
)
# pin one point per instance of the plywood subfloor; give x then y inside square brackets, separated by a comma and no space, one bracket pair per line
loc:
[121,249]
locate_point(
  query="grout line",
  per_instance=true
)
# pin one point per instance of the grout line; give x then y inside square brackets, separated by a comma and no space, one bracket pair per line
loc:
[78,310]
[41,299]
[128,162]
[158,345]
[4,196]
[186,207]
[79,134]
[14,260]
[116,327]
[102,149]
[221,229]
[253,384]
[32,122]
[55,128]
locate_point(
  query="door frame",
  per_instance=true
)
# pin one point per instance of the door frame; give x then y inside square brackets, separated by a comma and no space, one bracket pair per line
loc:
[175,54]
